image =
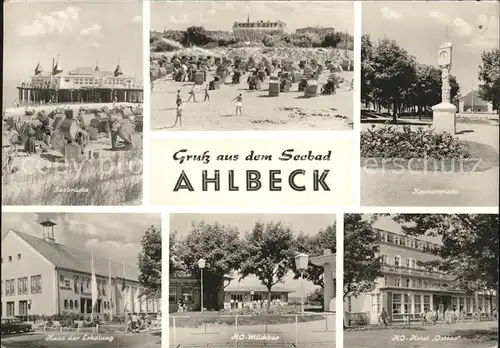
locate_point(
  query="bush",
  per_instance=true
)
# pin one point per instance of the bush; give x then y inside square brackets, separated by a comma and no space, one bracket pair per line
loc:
[389,142]
[272,40]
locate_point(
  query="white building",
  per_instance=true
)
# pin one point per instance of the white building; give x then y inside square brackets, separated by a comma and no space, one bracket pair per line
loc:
[327,261]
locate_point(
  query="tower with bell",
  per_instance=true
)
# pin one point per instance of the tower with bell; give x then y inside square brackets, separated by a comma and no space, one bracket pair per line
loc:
[444,113]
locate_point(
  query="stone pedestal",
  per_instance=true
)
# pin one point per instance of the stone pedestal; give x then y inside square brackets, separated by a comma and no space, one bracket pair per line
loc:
[444,118]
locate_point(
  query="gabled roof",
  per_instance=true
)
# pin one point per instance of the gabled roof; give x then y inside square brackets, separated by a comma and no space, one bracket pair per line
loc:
[64,257]
[473,98]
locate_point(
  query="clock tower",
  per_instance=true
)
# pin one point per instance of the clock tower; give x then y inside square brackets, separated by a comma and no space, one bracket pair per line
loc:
[444,55]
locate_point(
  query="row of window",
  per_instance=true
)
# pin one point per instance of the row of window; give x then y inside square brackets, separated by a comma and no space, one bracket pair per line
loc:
[19,257]
[410,263]
[73,304]
[82,284]
[91,81]
[408,242]
[22,286]
[414,283]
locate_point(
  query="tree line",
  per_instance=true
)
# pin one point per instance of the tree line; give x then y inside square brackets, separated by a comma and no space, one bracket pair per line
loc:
[267,251]
[199,36]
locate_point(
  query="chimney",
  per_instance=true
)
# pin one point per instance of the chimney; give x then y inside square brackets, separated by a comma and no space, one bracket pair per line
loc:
[48,231]
[327,252]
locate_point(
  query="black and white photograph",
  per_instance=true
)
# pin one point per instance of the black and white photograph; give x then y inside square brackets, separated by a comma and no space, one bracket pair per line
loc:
[252,280]
[234,65]
[430,108]
[420,280]
[81,280]
[73,103]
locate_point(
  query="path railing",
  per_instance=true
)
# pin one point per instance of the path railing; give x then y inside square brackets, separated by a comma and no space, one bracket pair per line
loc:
[308,330]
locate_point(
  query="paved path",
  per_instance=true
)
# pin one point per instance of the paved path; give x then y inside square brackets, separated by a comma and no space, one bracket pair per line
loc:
[438,336]
[78,340]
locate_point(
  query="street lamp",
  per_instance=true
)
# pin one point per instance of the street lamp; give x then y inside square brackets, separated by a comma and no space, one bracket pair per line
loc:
[201,265]
[301,263]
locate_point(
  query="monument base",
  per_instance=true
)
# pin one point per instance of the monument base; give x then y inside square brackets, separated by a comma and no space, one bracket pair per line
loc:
[444,118]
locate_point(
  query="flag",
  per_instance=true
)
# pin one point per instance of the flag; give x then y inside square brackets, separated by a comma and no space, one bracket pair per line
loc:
[94,289]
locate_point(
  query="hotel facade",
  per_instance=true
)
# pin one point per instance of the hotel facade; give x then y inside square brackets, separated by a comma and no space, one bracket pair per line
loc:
[80,85]
[252,31]
[407,289]
[43,277]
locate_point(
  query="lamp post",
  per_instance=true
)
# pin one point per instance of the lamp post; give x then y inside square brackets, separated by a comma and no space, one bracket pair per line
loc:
[201,265]
[301,262]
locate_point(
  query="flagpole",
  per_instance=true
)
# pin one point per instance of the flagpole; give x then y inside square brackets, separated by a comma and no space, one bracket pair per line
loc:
[124,302]
[110,291]
[92,288]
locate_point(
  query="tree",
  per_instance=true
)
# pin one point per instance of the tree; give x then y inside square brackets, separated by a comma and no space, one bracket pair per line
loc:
[316,296]
[362,265]
[367,80]
[314,246]
[469,247]
[489,75]
[150,261]
[268,254]
[393,73]
[220,247]
[196,36]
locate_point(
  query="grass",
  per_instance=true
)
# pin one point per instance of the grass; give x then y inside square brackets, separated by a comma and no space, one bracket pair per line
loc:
[481,158]
[103,182]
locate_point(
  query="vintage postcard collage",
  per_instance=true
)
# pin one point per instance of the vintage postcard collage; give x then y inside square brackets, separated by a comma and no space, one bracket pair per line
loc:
[250,174]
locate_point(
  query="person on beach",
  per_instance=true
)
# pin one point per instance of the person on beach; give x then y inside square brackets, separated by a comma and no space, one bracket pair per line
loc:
[178,99]
[128,327]
[192,95]
[207,96]
[239,104]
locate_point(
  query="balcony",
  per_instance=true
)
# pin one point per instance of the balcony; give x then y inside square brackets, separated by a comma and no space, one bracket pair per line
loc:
[400,270]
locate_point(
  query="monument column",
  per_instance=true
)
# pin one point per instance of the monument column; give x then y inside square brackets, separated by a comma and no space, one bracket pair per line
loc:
[444,113]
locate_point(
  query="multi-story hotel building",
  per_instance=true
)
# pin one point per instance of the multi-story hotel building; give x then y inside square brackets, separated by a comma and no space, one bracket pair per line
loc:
[43,277]
[81,85]
[408,289]
[252,31]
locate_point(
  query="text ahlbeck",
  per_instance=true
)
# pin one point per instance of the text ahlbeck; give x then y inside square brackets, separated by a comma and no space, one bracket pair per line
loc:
[253,180]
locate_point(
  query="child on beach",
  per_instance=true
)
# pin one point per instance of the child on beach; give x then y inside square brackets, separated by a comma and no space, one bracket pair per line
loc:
[192,95]
[239,104]
[179,116]
[207,96]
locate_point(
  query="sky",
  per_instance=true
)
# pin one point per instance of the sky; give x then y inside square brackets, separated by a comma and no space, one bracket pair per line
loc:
[80,32]
[222,15]
[420,27]
[309,224]
[116,235]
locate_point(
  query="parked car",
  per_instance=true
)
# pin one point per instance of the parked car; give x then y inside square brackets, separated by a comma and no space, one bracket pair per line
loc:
[14,325]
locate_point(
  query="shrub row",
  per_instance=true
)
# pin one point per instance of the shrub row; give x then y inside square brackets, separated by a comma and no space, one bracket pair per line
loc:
[389,142]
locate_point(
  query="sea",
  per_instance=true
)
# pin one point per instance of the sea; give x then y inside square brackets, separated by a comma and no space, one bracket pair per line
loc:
[9,93]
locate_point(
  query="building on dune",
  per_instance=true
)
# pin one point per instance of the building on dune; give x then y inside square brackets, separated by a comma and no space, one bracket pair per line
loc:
[321,31]
[408,289]
[42,277]
[255,31]
[80,85]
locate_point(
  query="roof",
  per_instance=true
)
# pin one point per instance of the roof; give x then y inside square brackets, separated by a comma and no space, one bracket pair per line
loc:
[64,257]
[473,98]
[260,288]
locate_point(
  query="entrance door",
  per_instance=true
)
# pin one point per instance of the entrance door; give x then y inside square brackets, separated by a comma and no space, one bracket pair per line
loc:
[82,305]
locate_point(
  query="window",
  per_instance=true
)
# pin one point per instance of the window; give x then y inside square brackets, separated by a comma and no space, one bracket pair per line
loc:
[275,297]
[408,282]
[396,303]
[61,278]
[461,304]
[10,258]
[70,304]
[36,284]
[237,297]
[22,286]
[23,307]
[376,303]
[408,262]
[418,303]
[66,304]
[469,305]
[427,302]
[397,282]
[257,297]
[10,287]
[385,259]
[454,303]
[419,284]
[18,256]
[187,295]
[386,283]
[407,303]
[172,294]
[397,239]
[10,309]
[397,261]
